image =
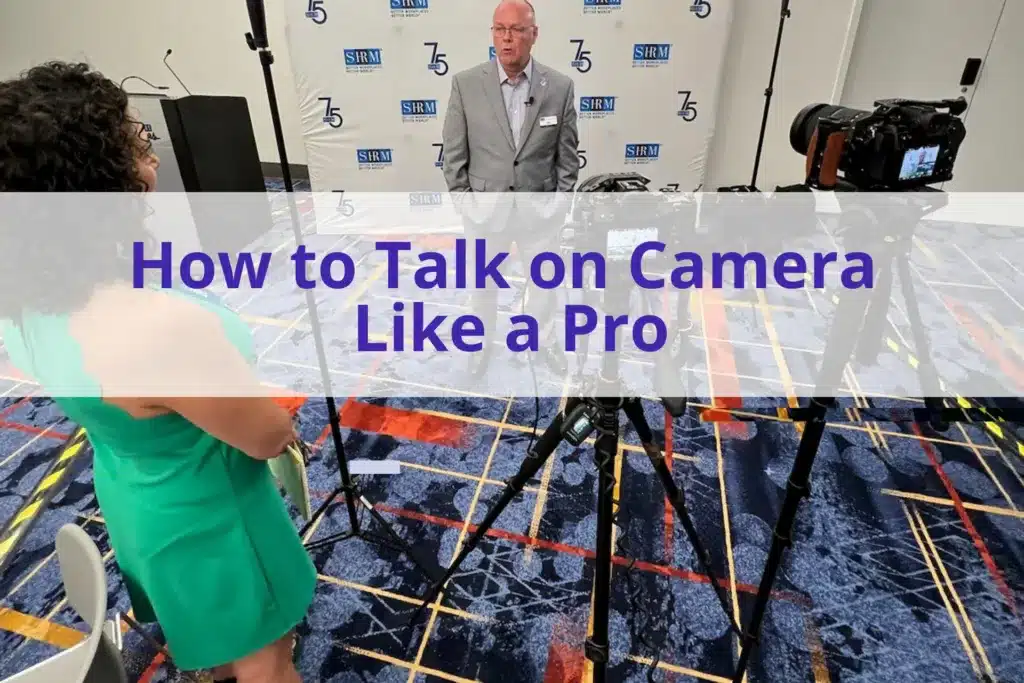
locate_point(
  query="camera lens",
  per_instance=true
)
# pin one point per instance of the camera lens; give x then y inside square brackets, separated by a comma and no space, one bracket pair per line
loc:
[806,122]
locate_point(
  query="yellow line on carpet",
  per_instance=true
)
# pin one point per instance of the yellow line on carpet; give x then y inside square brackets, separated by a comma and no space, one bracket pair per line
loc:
[39,629]
[381,593]
[411,666]
[980,649]
[682,670]
[780,357]
[458,545]
[545,481]
[974,449]
[939,587]
[922,498]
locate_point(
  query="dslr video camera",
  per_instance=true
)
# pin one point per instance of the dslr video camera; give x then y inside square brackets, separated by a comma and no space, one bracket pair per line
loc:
[901,146]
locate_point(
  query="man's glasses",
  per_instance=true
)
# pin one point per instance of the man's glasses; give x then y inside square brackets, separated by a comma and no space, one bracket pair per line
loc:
[517,31]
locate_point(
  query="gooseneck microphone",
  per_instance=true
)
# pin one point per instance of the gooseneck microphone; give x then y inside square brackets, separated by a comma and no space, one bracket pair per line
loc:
[140,78]
[258,20]
[166,55]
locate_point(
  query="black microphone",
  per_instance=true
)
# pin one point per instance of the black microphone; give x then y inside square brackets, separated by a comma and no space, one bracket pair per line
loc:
[166,55]
[529,102]
[258,20]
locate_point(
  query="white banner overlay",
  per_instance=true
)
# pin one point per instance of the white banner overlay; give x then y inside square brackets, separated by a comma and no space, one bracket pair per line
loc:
[650,294]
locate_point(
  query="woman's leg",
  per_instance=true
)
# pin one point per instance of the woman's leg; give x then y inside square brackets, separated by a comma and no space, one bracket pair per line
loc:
[223,673]
[272,664]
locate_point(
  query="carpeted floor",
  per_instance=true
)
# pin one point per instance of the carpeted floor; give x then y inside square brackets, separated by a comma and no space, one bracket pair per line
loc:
[907,561]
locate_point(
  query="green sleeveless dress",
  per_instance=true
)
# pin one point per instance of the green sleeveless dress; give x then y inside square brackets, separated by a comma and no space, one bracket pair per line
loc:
[200,531]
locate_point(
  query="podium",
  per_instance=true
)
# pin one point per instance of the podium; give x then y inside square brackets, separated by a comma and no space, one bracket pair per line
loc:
[206,144]
[214,143]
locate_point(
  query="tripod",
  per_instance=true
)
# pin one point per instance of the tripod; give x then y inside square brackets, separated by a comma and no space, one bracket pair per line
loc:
[257,41]
[854,312]
[580,418]
[783,15]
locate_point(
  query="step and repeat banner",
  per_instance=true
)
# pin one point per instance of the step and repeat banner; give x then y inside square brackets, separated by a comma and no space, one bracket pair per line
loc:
[373,79]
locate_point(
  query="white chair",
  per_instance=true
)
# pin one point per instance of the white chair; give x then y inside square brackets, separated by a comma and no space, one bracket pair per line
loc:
[95,659]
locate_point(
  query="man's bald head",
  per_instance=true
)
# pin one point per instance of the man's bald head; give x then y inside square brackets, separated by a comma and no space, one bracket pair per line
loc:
[520,10]
[514,31]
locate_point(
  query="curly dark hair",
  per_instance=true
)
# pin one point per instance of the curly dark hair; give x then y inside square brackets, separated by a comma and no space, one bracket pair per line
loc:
[65,128]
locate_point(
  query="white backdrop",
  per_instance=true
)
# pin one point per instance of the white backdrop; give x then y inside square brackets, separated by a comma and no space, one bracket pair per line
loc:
[647,75]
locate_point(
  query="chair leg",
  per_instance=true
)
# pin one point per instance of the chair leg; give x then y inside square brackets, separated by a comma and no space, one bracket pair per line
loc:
[112,629]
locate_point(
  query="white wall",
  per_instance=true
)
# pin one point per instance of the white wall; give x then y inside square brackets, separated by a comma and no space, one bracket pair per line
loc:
[816,45]
[211,57]
[121,38]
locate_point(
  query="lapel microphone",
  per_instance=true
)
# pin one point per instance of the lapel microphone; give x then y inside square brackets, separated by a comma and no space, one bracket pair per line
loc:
[529,102]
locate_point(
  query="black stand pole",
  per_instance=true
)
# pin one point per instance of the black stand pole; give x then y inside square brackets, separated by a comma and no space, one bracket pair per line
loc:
[257,41]
[784,14]
[845,339]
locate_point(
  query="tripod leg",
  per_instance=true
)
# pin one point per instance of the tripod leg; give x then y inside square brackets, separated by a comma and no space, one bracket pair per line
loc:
[874,315]
[797,488]
[605,451]
[635,412]
[926,368]
[841,342]
[535,459]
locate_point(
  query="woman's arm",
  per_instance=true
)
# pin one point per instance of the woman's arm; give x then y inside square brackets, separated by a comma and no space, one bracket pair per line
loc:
[184,358]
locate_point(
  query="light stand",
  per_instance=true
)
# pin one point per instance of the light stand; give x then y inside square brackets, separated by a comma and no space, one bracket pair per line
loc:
[257,41]
[783,16]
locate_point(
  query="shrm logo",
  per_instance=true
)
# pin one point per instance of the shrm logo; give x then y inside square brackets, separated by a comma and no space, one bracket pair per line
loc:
[651,54]
[597,106]
[372,158]
[363,59]
[642,152]
[601,6]
[414,111]
[425,199]
[149,130]
[409,8]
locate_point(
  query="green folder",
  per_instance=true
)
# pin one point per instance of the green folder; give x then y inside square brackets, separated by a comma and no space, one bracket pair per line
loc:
[289,469]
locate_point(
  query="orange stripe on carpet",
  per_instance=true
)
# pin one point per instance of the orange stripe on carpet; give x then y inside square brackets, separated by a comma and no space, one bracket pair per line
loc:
[722,362]
[649,567]
[153,667]
[961,511]
[293,404]
[565,653]
[403,424]
[39,629]
[7,369]
[989,346]
[33,430]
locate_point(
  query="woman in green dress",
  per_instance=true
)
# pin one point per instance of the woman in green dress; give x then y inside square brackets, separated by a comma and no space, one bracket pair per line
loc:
[198,527]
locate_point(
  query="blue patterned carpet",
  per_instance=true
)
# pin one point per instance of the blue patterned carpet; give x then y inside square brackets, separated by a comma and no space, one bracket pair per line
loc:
[907,563]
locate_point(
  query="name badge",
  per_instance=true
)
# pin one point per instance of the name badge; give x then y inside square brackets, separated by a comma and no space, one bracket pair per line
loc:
[546,121]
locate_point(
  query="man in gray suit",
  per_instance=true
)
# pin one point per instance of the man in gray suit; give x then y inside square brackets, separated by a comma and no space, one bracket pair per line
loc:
[511,128]
[511,122]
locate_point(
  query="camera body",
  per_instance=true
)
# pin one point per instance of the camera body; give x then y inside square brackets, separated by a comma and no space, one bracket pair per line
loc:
[615,212]
[902,146]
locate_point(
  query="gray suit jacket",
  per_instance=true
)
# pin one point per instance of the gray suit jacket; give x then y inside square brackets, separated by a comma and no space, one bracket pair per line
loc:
[478,150]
